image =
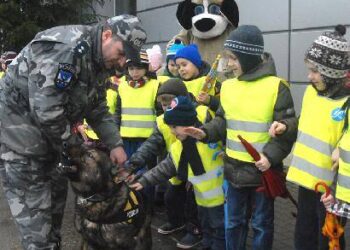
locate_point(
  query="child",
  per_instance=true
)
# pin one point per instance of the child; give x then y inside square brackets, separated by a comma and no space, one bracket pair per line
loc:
[193,71]
[320,128]
[198,163]
[249,103]
[170,70]
[179,200]
[136,103]
[170,67]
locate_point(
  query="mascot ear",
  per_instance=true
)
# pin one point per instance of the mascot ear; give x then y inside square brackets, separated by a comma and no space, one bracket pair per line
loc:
[184,14]
[230,10]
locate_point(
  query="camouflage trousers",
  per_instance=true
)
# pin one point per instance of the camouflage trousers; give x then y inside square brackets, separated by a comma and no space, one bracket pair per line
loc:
[36,194]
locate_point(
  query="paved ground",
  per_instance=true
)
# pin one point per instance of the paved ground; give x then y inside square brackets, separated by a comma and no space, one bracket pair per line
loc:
[284,227]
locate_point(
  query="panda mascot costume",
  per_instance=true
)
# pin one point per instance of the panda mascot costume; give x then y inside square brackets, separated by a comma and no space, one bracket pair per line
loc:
[206,23]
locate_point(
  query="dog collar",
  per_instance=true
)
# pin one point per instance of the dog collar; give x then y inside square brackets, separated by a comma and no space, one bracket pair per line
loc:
[97,197]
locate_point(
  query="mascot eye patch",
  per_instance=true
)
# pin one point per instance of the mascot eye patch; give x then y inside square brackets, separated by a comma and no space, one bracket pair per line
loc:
[199,9]
[214,9]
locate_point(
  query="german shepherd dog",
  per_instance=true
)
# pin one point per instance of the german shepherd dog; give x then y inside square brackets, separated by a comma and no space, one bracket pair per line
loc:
[109,215]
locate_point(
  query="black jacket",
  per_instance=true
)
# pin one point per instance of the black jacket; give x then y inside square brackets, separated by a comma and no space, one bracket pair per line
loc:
[244,174]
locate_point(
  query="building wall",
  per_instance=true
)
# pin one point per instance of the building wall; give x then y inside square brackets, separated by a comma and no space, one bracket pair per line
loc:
[106,10]
[289,27]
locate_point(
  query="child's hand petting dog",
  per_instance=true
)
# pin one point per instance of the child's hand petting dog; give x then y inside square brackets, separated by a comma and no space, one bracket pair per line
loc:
[137,186]
[123,174]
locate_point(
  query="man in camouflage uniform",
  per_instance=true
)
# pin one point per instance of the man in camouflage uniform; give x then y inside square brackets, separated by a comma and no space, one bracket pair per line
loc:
[52,84]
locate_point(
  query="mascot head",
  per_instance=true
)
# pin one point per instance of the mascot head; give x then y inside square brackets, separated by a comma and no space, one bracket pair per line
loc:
[207,18]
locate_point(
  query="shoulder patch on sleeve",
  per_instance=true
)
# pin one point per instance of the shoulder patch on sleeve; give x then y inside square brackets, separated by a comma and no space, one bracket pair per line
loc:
[65,75]
[81,48]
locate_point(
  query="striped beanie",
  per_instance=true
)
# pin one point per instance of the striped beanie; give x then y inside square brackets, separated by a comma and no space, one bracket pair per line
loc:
[142,60]
[247,43]
[330,55]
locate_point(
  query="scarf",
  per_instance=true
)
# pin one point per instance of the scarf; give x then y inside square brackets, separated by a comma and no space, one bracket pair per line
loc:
[189,155]
[137,83]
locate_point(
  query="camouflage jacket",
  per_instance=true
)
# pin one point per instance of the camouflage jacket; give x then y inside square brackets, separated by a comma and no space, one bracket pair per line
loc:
[56,80]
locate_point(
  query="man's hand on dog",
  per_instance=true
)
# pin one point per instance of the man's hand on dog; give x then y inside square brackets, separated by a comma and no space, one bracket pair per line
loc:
[118,155]
[137,186]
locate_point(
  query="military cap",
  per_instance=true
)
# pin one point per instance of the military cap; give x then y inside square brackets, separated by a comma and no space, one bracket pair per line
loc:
[128,28]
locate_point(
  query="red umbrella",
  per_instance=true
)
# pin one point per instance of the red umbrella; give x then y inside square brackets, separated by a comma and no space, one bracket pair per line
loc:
[331,228]
[273,181]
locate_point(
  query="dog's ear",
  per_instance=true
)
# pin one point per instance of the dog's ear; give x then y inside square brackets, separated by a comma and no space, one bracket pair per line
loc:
[184,13]
[230,10]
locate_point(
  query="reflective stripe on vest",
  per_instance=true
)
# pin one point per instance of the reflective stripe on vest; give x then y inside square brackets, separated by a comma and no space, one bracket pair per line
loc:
[169,138]
[195,86]
[249,108]
[204,177]
[318,135]
[248,126]
[238,146]
[343,183]
[313,170]
[213,193]
[138,111]
[208,186]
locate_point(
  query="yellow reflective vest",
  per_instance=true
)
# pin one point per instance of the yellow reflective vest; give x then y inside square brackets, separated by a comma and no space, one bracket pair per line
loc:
[195,86]
[2,73]
[208,186]
[169,138]
[138,114]
[320,128]
[163,79]
[249,108]
[343,182]
[111,97]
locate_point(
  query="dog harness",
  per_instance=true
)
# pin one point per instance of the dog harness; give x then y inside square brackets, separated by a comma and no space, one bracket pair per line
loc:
[128,214]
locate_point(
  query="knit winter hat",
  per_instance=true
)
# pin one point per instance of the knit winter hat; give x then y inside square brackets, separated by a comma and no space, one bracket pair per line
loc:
[247,43]
[181,112]
[141,60]
[173,86]
[170,54]
[190,53]
[155,57]
[330,55]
